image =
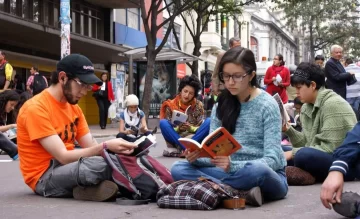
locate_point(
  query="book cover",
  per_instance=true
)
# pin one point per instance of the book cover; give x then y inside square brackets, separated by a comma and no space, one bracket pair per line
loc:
[218,143]
[144,144]
[11,133]
[178,118]
[284,115]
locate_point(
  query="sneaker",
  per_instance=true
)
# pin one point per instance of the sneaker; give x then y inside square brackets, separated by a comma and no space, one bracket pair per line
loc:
[298,177]
[349,206]
[101,192]
[154,131]
[253,196]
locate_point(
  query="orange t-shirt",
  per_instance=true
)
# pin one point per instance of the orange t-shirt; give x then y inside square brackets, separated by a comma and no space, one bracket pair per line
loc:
[40,117]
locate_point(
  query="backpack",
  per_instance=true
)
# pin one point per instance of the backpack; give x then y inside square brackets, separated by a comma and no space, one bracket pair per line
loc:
[199,195]
[39,84]
[138,178]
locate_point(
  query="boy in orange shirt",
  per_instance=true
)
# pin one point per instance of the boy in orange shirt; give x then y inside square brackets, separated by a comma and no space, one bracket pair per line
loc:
[49,123]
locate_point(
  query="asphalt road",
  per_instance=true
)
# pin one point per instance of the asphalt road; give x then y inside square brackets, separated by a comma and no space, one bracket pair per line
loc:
[18,201]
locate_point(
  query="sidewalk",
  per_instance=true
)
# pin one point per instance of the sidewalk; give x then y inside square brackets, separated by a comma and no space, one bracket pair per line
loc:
[113,129]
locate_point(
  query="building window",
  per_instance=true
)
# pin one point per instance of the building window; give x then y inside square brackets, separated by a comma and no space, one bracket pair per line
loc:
[171,42]
[133,18]
[254,48]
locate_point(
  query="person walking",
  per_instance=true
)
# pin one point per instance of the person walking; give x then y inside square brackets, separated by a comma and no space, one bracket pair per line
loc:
[104,96]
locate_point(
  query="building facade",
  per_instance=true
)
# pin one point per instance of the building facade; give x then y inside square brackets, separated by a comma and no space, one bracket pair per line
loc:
[30,35]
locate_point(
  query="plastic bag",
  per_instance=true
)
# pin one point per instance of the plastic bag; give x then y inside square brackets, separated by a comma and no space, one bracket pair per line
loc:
[112,111]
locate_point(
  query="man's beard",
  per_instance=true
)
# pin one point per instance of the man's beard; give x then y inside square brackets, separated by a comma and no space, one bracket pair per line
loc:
[68,94]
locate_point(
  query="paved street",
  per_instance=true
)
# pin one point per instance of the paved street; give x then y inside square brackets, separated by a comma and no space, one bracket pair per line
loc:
[18,201]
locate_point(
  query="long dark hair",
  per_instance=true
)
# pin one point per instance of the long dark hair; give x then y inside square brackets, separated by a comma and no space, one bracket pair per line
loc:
[229,106]
[6,96]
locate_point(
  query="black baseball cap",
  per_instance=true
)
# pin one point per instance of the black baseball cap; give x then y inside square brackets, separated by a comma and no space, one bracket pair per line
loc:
[79,66]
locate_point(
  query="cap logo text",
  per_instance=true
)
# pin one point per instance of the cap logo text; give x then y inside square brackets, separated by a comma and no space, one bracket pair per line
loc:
[89,67]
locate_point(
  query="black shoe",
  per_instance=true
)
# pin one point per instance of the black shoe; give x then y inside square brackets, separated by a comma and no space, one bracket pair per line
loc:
[154,131]
[103,127]
[101,192]
[349,206]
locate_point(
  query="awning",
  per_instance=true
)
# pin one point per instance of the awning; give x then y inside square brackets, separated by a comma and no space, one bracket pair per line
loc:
[166,54]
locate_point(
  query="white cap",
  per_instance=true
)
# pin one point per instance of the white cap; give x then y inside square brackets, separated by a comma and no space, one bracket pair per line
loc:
[131,100]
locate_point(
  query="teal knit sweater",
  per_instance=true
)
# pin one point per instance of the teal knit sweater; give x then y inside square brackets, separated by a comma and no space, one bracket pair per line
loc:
[324,124]
[258,130]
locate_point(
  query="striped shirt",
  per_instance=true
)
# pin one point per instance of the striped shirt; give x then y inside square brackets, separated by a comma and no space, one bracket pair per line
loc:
[353,90]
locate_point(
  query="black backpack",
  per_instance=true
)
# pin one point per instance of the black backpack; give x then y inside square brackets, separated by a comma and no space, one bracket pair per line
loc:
[39,84]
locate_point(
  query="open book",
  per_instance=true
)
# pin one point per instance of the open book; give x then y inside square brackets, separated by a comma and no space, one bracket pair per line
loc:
[11,133]
[144,144]
[218,143]
[284,115]
[178,117]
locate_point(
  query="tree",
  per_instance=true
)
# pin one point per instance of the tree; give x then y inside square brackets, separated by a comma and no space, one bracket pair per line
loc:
[325,22]
[201,13]
[151,26]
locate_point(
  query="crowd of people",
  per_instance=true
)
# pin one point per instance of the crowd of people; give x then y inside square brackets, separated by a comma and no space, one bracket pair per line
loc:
[322,135]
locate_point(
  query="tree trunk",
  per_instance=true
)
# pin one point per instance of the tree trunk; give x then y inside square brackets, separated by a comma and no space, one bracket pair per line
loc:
[312,49]
[151,56]
[196,52]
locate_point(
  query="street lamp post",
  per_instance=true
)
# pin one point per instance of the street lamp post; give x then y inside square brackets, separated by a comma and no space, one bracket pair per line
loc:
[65,21]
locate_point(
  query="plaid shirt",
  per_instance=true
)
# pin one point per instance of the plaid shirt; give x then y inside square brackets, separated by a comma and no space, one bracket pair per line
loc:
[192,195]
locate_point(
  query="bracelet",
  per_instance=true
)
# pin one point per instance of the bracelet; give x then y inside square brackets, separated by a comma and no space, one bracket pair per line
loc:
[104,145]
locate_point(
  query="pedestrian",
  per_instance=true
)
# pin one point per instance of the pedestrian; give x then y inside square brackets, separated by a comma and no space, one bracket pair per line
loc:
[104,96]
[277,78]
[6,72]
[36,83]
[335,73]
[48,125]
[252,116]
[353,91]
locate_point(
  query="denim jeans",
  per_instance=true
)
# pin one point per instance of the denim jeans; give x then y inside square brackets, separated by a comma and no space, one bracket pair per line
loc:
[171,136]
[317,163]
[354,103]
[273,184]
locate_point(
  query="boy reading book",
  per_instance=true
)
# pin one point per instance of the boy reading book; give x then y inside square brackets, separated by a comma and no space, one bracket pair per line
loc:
[218,143]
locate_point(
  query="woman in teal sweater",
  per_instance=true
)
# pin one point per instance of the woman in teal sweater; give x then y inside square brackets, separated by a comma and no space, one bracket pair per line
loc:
[325,118]
[252,116]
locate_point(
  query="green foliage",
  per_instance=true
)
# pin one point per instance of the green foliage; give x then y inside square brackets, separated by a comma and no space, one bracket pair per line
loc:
[324,22]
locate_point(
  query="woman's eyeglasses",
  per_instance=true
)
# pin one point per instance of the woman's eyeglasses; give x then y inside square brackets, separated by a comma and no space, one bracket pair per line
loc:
[235,77]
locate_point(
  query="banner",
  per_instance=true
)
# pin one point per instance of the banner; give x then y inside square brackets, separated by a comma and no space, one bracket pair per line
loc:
[163,87]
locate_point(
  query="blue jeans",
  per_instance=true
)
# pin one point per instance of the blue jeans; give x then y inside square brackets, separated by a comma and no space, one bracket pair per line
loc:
[273,184]
[354,103]
[316,162]
[171,136]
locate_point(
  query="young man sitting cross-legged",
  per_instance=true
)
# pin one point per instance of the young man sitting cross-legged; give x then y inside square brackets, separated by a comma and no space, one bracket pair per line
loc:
[49,123]
[325,120]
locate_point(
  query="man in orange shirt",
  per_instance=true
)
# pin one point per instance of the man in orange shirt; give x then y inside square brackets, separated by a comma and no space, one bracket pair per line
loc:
[49,123]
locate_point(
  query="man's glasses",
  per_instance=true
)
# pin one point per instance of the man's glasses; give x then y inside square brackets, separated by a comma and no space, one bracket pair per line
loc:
[83,86]
[235,77]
